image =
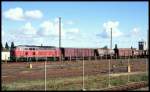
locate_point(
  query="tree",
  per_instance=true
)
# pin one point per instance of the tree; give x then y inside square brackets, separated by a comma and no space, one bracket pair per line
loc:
[105,47]
[116,46]
[131,47]
[12,45]
[116,50]
[6,46]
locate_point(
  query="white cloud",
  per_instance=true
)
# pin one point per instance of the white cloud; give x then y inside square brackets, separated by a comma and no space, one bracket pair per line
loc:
[135,31]
[3,33]
[34,14]
[114,25]
[73,30]
[19,14]
[47,25]
[28,29]
[70,22]
[70,37]
[14,14]
[111,24]
[46,28]
[3,30]
[51,28]
[107,29]
[48,31]
[56,20]
[132,33]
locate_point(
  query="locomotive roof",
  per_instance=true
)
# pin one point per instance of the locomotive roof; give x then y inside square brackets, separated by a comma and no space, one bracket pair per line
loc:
[34,46]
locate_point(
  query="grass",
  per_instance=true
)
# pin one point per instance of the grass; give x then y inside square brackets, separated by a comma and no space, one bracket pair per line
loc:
[52,84]
[74,83]
[137,78]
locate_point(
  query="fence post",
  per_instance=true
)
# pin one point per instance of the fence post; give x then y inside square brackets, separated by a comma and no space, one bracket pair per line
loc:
[95,58]
[76,58]
[83,74]
[54,57]
[146,67]
[129,69]
[36,59]
[70,58]
[5,59]
[110,57]
[45,72]
[30,65]
[89,58]
[109,85]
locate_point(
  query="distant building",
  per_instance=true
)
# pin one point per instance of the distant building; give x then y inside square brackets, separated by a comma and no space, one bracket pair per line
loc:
[142,45]
[5,55]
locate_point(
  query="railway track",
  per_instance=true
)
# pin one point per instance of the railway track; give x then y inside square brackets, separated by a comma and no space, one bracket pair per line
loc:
[127,87]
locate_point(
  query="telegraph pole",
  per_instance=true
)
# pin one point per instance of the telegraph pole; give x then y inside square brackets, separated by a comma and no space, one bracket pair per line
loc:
[147,61]
[60,37]
[148,41]
[111,39]
[109,85]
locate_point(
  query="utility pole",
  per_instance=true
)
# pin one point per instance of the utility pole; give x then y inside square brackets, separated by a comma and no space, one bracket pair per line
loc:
[148,41]
[147,68]
[60,37]
[111,39]
[109,85]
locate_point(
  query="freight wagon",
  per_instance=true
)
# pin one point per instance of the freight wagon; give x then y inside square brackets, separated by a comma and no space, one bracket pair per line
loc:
[141,53]
[105,53]
[77,53]
[125,52]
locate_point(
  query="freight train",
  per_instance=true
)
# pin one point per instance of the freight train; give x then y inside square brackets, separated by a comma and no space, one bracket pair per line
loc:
[39,53]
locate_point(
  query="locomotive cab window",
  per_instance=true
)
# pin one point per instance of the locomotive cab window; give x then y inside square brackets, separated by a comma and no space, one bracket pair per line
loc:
[33,53]
[26,48]
[26,53]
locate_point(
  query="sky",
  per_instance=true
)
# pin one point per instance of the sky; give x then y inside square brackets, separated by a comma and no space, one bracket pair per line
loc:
[83,24]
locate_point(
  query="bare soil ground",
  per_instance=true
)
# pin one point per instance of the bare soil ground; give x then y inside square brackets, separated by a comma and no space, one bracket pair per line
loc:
[16,71]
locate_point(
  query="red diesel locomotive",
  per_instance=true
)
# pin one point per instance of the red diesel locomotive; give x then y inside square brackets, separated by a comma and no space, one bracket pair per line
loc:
[24,52]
